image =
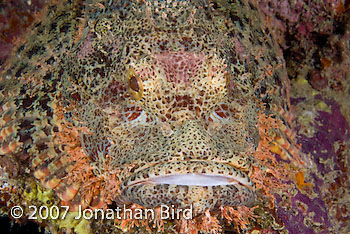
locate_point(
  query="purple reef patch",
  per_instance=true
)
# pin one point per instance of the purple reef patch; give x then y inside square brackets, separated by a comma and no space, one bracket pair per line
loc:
[330,128]
[310,211]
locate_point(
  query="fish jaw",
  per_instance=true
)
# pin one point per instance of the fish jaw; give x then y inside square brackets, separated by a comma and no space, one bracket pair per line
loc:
[198,184]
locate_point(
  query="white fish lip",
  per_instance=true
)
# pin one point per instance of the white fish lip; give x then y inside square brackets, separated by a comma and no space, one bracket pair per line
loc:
[177,172]
[196,179]
[197,173]
[177,183]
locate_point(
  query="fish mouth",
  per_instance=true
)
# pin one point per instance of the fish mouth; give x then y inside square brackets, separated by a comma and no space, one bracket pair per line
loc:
[200,185]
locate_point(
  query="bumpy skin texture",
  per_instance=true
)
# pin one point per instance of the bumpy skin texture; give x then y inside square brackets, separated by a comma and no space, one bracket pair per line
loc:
[152,87]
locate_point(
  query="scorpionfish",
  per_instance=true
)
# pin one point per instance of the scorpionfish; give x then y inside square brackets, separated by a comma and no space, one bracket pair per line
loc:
[143,103]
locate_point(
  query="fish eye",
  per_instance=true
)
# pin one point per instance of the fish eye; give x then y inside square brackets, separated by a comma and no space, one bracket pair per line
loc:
[135,85]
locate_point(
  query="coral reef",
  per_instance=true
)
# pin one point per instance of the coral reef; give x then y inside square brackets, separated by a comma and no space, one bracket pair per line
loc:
[315,37]
[15,17]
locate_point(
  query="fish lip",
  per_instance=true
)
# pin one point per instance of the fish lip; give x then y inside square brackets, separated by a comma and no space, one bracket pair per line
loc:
[143,186]
[193,167]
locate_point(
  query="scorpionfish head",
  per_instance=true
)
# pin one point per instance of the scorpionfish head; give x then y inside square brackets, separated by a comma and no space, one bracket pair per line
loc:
[165,98]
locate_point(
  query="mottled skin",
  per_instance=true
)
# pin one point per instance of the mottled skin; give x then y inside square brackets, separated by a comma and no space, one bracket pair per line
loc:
[159,87]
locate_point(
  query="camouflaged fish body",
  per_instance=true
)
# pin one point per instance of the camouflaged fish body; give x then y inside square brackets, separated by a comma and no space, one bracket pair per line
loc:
[168,92]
